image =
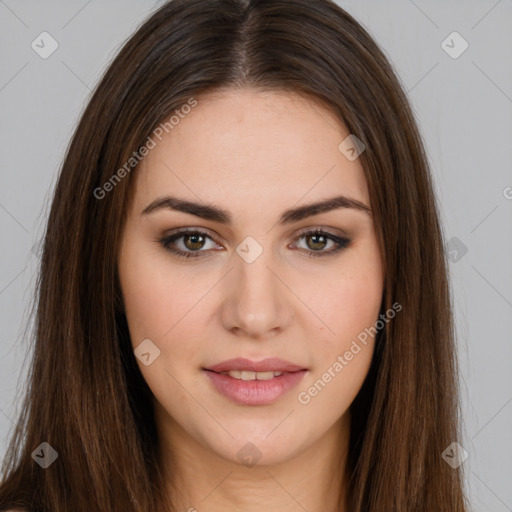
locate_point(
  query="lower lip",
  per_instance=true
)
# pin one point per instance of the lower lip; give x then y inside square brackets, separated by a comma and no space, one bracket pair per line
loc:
[255,392]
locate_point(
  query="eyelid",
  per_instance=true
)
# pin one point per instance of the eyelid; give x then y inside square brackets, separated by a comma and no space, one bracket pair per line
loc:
[335,232]
[184,231]
[342,241]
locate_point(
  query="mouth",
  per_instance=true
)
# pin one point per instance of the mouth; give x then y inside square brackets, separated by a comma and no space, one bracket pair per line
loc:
[245,375]
[254,383]
[271,364]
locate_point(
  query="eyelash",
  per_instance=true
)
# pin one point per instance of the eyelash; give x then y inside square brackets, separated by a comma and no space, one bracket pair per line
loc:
[341,242]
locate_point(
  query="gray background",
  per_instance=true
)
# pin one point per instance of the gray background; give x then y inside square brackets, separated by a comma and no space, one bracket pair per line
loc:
[464,109]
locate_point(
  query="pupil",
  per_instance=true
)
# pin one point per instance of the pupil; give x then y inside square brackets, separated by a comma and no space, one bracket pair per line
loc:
[194,238]
[317,237]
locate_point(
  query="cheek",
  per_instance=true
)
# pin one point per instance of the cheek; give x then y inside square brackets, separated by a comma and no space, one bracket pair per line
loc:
[167,306]
[346,299]
[345,355]
[148,310]
[162,307]
[342,358]
[350,307]
[157,298]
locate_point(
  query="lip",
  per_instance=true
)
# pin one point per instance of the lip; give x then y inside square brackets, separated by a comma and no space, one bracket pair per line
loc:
[271,364]
[255,392]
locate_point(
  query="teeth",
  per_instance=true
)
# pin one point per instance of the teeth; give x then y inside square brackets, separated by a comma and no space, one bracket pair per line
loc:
[264,375]
[244,375]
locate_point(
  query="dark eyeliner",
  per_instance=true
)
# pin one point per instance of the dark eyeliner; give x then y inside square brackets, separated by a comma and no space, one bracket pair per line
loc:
[166,241]
[341,242]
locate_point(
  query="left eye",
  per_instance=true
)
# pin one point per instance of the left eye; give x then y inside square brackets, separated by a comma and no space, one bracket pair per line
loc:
[191,243]
[318,239]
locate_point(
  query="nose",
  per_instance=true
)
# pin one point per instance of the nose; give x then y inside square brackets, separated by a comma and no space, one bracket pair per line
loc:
[257,302]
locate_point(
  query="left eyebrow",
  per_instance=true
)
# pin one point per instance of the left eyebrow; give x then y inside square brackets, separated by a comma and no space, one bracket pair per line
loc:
[217,214]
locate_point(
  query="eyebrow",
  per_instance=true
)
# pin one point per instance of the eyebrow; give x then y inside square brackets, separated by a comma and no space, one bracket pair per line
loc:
[217,214]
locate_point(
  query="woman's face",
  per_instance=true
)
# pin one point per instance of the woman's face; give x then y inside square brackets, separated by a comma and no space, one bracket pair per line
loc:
[258,297]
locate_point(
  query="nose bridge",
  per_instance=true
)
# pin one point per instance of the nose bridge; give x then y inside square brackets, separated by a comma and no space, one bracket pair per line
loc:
[256,303]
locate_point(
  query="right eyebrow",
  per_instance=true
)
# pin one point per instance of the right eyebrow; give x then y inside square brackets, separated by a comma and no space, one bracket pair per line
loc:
[217,214]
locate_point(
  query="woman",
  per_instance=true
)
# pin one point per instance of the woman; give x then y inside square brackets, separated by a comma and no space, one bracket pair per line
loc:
[243,296]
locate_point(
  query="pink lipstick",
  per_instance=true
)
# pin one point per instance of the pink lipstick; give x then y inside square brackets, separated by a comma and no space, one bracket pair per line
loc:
[254,383]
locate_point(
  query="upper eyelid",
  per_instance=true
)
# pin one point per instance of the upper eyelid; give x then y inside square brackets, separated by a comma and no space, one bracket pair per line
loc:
[206,231]
[180,232]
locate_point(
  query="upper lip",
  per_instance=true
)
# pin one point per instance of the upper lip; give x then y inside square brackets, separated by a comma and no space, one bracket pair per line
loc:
[271,364]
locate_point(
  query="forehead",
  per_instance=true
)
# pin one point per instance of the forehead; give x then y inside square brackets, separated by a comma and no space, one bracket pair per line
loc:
[251,149]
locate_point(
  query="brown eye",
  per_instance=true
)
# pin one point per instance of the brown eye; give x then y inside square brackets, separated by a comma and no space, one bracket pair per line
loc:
[316,241]
[194,241]
[321,243]
[188,244]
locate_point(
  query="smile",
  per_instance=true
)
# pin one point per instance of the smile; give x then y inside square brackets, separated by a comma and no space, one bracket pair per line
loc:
[252,390]
[245,375]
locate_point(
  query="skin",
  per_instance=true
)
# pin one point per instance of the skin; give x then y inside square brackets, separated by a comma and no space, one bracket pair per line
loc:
[255,154]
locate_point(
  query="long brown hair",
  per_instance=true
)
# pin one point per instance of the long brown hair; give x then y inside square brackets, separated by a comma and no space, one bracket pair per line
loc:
[86,396]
